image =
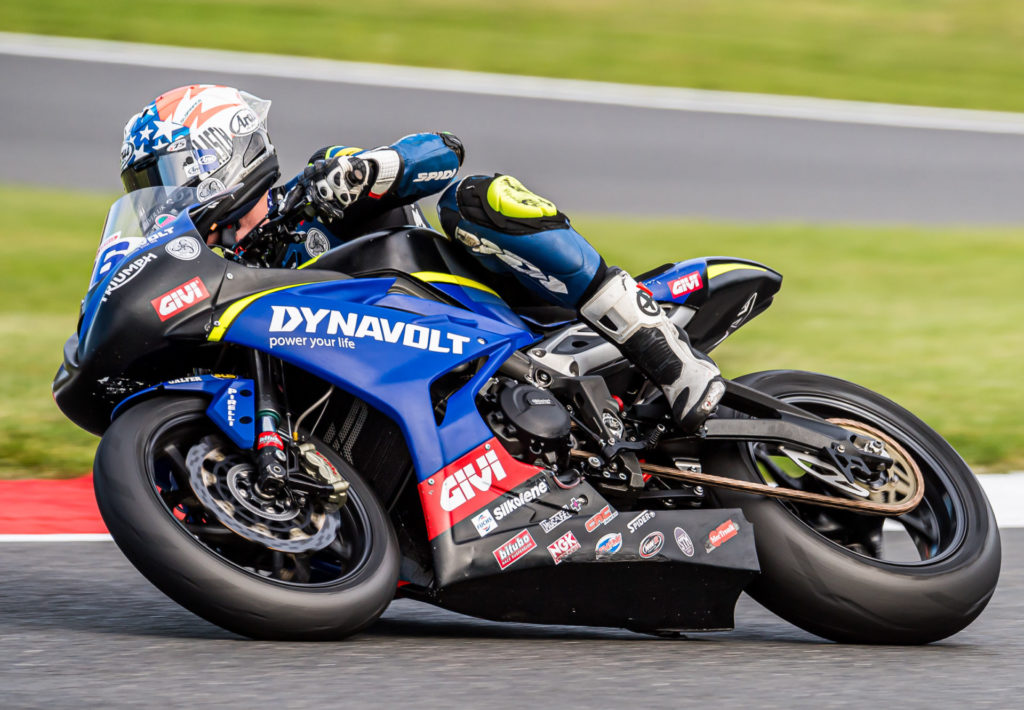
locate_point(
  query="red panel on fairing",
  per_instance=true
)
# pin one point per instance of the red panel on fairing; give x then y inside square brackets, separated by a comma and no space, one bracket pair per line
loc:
[470,483]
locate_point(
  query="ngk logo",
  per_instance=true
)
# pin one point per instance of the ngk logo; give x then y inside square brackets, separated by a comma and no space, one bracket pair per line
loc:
[180,298]
[563,547]
[463,485]
[685,284]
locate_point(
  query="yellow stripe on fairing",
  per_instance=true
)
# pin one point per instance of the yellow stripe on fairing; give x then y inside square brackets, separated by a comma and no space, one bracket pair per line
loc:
[311,261]
[719,269]
[438,277]
[238,306]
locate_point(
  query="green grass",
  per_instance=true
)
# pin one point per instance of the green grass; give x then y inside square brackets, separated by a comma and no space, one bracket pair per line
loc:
[966,53]
[929,317]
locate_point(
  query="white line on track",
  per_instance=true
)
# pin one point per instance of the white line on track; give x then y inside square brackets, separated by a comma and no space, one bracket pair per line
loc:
[652,97]
[1005,492]
[63,537]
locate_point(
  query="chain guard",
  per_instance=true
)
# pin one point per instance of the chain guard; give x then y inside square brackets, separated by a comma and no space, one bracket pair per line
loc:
[224,485]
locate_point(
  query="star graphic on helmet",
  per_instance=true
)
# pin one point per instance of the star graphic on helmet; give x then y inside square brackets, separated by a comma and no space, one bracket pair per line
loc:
[164,129]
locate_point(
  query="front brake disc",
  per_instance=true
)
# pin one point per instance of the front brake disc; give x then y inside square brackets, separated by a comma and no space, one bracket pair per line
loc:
[225,485]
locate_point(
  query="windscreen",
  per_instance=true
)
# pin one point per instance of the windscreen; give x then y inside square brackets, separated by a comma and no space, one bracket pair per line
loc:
[132,219]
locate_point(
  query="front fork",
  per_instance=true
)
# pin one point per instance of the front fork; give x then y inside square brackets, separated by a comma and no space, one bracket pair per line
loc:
[271,457]
[313,473]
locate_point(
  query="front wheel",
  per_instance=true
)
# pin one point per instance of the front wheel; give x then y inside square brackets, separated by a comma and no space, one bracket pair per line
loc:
[177,498]
[834,573]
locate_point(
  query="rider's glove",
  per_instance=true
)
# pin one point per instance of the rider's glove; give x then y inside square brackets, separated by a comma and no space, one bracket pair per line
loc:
[333,185]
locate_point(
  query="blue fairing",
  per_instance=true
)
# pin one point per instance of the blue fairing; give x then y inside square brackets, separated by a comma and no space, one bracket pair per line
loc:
[386,349]
[661,285]
[232,403]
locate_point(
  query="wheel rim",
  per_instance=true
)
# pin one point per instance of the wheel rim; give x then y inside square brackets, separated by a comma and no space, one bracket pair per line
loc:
[343,556]
[935,528]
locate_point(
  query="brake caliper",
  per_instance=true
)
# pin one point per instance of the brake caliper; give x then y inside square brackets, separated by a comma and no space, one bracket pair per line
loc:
[316,465]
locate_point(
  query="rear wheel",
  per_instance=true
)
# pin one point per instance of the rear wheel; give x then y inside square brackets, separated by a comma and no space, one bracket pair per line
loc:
[833,572]
[177,498]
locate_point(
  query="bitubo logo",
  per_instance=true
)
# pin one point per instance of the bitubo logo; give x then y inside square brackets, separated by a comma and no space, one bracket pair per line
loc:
[688,283]
[640,520]
[462,485]
[563,547]
[434,175]
[601,517]
[287,319]
[725,531]
[514,549]
[180,298]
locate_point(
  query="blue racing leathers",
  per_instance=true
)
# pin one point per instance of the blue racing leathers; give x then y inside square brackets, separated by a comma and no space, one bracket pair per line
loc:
[507,228]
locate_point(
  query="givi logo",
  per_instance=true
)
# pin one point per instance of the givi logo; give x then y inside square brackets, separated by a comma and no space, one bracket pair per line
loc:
[688,283]
[473,482]
[180,298]
[473,477]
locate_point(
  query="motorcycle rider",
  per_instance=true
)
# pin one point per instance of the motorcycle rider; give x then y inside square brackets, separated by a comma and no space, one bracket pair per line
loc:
[215,138]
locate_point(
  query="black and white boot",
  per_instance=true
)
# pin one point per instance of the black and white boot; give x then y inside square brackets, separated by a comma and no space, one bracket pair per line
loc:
[627,316]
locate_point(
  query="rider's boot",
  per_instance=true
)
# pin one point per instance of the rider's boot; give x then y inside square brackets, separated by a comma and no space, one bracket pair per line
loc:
[510,229]
[626,314]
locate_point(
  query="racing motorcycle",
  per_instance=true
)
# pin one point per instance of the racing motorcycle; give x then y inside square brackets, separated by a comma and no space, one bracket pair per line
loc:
[286,449]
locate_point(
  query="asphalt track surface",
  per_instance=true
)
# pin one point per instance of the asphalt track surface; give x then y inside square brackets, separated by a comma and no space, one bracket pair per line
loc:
[79,627]
[61,120]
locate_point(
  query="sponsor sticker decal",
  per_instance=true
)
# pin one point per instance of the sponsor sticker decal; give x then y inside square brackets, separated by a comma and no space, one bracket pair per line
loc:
[514,549]
[128,273]
[244,122]
[687,283]
[640,520]
[652,544]
[484,523]
[208,188]
[180,298]
[184,248]
[608,545]
[555,520]
[354,326]
[724,532]
[316,242]
[563,547]
[683,542]
[483,477]
[601,517]
[567,511]
[513,503]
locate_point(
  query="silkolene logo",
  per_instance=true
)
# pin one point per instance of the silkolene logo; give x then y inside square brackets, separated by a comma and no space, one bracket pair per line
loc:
[180,298]
[470,483]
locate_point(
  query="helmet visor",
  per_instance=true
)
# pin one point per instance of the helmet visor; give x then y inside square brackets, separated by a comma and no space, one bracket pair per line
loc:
[179,169]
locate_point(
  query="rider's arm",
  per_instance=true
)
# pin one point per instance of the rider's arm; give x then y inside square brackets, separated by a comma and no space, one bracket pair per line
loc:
[401,173]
